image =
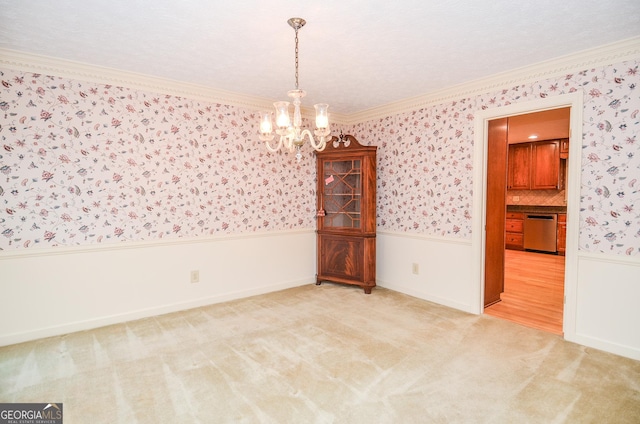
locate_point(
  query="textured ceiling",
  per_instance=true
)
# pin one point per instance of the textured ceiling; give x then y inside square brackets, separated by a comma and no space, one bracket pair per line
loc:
[354,55]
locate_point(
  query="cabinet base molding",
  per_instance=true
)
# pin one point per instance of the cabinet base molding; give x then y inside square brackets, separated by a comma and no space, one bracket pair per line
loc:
[367,289]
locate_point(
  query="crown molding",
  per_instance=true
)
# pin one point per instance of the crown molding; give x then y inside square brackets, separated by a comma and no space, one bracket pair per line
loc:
[40,64]
[599,56]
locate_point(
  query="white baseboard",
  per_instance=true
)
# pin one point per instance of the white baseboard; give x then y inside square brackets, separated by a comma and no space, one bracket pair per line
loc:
[90,324]
[605,345]
[57,291]
[426,296]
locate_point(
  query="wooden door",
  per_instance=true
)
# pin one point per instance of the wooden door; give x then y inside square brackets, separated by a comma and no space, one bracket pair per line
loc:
[496,211]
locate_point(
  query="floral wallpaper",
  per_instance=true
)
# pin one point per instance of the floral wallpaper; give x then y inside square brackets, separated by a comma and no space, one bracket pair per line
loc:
[425,160]
[85,163]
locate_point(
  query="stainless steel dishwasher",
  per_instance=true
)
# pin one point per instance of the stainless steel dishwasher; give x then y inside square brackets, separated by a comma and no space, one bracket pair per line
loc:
[540,232]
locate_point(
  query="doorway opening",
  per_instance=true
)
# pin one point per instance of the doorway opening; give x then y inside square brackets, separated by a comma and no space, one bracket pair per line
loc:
[533,291]
[528,181]
[482,245]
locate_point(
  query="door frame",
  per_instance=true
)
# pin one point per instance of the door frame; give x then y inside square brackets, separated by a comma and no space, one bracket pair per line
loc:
[575,102]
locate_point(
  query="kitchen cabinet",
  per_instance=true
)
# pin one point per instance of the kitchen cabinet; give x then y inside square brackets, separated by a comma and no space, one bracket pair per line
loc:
[534,166]
[562,234]
[564,148]
[519,167]
[515,226]
[346,224]
[545,165]
[514,238]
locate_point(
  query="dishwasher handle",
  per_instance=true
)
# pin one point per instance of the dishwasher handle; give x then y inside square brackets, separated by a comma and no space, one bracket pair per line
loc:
[550,217]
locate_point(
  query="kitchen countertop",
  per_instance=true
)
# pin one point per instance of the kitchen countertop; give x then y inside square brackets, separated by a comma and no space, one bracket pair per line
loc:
[536,209]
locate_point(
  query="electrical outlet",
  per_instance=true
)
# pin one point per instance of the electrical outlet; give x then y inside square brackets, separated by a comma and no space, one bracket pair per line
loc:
[415,269]
[195,276]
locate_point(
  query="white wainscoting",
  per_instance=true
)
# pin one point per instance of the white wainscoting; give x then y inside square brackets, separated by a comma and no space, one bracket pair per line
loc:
[61,290]
[607,295]
[445,268]
[608,304]
[55,291]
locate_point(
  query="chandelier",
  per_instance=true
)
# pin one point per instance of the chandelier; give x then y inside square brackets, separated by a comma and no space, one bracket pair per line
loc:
[290,132]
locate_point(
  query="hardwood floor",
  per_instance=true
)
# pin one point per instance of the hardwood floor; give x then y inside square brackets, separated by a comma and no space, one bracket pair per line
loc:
[533,291]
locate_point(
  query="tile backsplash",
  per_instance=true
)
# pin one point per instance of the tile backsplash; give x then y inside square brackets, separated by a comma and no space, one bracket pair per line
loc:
[536,197]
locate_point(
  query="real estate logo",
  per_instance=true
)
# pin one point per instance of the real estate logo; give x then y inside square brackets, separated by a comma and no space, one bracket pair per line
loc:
[30,413]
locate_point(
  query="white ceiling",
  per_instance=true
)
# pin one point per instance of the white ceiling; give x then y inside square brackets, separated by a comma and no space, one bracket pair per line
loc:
[354,55]
[545,125]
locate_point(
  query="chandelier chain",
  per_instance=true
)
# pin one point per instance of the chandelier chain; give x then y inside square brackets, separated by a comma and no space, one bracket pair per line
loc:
[296,29]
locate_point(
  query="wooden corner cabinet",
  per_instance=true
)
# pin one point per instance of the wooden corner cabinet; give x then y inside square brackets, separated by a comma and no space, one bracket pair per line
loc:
[346,199]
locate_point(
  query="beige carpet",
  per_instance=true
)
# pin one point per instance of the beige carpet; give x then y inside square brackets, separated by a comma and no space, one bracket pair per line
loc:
[322,354]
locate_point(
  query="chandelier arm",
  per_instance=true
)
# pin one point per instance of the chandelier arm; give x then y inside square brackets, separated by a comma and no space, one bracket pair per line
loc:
[289,139]
[319,149]
[272,149]
[321,143]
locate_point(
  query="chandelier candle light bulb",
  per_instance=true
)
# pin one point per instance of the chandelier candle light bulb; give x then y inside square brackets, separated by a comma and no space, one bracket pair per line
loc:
[282,114]
[291,135]
[322,116]
[265,123]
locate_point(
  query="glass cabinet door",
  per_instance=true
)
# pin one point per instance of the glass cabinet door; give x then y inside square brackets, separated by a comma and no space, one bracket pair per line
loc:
[341,194]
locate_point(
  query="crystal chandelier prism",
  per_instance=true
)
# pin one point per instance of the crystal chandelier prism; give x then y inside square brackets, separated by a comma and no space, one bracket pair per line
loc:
[290,134]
